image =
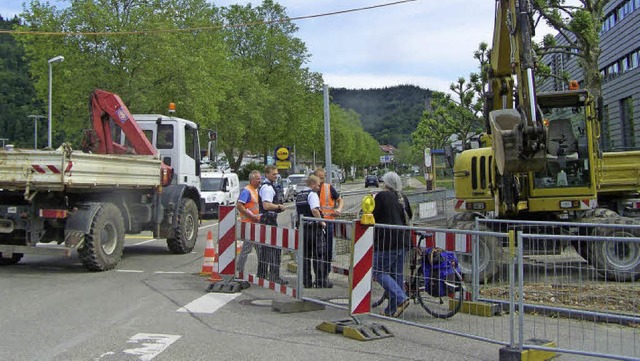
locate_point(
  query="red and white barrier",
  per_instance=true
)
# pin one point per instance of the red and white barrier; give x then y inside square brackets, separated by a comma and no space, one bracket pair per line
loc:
[268,235]
[448,241]
[362,272]
[227,240]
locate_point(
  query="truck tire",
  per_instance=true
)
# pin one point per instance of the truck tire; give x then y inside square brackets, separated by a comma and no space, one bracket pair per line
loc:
[186,232]
[15,258]
[491,257]
[616,261]
[103,245]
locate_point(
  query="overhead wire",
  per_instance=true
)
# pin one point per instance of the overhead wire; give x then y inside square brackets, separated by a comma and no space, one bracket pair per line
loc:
[204,28]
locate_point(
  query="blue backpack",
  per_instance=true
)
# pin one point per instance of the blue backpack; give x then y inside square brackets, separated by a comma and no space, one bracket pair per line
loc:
[439,266]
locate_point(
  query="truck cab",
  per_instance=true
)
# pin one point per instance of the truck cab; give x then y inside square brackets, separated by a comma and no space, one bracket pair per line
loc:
[176,140]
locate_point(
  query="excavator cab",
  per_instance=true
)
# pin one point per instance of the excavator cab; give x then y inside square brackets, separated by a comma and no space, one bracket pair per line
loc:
[568,164]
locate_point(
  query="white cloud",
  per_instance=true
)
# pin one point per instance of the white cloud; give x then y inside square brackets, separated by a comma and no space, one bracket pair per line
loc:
[428,43]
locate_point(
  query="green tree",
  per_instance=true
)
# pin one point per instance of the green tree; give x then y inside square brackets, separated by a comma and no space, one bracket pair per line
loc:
[17,95]
[275,106]
[127,48]
[579,26]
[455,118]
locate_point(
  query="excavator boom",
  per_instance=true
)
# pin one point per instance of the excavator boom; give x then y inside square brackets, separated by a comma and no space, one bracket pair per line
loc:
[518,134]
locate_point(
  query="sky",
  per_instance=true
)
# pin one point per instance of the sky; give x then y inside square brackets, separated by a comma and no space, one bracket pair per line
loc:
[428,43]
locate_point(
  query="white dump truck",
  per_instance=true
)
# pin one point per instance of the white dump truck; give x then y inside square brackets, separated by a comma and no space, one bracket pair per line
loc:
[142,175]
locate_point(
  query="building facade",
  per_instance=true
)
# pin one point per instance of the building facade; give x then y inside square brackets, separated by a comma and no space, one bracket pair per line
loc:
[620,72]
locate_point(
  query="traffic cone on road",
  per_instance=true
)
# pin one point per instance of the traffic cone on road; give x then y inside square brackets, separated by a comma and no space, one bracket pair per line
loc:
[209,257]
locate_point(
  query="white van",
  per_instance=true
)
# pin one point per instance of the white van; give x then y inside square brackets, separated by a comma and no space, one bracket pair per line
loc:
[218,188]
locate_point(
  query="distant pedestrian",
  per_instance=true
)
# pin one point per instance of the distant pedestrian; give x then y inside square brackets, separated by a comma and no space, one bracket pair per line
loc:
[249,209]
[390,245]
[270,204]
[331,205]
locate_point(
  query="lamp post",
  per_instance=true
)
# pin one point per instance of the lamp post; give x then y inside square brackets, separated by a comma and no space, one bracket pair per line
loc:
[52,60]
[35,128]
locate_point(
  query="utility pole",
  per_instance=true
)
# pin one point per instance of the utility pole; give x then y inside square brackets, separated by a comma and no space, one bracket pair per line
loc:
[327,136]
[52,60]
[35,128]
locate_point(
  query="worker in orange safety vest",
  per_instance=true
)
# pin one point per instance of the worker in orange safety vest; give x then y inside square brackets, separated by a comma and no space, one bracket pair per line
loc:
[247,206]
[331,205]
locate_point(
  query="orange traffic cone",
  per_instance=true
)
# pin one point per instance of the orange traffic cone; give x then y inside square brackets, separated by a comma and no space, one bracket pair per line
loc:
[209,256]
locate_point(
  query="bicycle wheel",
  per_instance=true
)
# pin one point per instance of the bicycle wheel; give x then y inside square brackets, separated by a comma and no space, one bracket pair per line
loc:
[444,306]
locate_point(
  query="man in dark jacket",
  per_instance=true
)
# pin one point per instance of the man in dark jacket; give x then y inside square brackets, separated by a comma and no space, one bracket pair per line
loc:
[390,245]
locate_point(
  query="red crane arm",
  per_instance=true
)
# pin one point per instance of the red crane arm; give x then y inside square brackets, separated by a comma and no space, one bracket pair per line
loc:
[106,106]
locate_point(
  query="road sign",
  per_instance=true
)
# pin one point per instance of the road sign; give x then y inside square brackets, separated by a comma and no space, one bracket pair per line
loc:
[282,153]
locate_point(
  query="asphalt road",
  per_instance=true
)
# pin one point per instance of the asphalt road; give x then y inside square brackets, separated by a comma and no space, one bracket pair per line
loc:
[154,306]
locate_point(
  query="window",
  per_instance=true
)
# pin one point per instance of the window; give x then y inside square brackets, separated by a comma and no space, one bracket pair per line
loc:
[634,58]
[624,64]
[165,136]
[191,142]
[626,117]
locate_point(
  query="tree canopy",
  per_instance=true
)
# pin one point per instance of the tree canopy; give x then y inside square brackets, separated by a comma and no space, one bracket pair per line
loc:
[239,70]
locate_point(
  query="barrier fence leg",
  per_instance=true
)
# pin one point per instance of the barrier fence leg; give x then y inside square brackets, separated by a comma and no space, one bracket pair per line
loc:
[360,277]
[516,351]
[297,305]
[226,252]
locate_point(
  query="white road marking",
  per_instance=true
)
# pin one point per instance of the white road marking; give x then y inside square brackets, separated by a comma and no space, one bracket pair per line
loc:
[169,272]
[129,271]
[143,242]
[151,345]
[208,303]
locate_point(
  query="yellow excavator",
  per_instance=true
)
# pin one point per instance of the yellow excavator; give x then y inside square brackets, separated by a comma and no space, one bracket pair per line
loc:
[542,161]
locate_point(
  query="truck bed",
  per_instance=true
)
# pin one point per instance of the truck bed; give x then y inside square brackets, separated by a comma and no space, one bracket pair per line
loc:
[620,172]
[58,170]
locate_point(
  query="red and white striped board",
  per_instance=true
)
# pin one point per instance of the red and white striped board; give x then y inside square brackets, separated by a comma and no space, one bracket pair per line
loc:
[449,241]
[227,240]
[269,235]
[253,279]
[50,168]
[361,273]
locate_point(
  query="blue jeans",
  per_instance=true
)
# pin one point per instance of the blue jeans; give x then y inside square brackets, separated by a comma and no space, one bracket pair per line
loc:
[388,269]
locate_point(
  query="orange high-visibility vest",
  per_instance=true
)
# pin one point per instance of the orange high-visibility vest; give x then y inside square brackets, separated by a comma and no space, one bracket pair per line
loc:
[327,203]
[252,205]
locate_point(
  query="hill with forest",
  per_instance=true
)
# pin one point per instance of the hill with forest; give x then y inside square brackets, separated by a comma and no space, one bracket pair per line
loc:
[389,114]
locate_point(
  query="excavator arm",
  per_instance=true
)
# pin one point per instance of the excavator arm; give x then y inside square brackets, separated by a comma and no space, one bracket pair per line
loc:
[518,134]
[107,109]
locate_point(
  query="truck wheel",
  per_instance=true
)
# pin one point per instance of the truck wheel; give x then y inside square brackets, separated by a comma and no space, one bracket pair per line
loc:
[103,245]
[187,231]
[490,256]
[15,258]
[617,261]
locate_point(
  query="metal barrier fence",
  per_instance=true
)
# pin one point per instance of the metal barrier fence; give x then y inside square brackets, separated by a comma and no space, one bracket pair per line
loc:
[564,289]
[514,293]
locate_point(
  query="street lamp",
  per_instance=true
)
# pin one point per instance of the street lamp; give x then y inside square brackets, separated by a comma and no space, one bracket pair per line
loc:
[35,128]
[52,60]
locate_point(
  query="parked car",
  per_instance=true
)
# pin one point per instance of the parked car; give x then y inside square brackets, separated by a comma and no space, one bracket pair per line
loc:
[371,180]
[297,182]
[218,188]
[287,189]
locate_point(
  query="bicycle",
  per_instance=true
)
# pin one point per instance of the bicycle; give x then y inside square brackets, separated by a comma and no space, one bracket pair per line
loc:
[440,295]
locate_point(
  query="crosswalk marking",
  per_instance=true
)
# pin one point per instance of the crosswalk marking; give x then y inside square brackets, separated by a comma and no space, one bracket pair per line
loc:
[208,303]
[151,345]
